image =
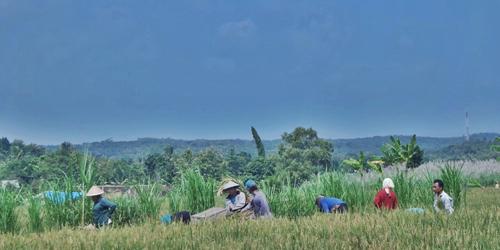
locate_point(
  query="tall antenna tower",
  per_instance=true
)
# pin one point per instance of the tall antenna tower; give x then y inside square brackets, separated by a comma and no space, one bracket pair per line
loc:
[467,135]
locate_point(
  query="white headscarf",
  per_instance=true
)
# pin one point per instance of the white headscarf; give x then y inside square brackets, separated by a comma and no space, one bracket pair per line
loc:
[386,184]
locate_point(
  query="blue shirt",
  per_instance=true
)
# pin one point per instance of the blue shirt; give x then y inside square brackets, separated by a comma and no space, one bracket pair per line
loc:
[102,211]
[326,204]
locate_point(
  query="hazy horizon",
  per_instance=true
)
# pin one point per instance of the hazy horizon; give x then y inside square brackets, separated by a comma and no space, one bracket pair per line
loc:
[84,71]
[247,139]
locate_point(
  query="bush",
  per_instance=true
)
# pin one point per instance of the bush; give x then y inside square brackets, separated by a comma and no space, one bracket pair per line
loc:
[192,192]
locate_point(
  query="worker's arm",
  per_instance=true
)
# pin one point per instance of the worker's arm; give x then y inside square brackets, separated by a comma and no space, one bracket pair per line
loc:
[448,205]
[248,207]
[240,202]
[110,206]
[436,201]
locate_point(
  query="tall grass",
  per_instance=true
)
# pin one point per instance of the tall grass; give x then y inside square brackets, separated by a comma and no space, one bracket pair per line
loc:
[195,193]
[149,200]
[455,182]
[87,180]
[192,192]
[35,213]
[9,200]
[466,229]
[128,211]
[61,211]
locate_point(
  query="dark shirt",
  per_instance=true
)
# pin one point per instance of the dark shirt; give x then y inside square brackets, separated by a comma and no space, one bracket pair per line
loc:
[102,211]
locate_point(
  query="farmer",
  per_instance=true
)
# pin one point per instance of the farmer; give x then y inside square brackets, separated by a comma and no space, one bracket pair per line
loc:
[235,200]
[331,205]
[259,204]
[182,216]
[441,199]
[103,208]
[386,198]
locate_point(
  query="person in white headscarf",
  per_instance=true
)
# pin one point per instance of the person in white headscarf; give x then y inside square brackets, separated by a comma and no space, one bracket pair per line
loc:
[386,198]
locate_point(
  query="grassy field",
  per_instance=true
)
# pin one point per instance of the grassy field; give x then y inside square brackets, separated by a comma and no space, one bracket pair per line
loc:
[475,226]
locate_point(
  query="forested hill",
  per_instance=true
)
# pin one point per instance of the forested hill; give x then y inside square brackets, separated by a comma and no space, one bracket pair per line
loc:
[144,146]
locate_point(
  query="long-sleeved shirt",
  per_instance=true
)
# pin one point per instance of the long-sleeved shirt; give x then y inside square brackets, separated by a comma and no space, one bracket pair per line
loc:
[236,203]
[260,206]
[102,211]
[445,201]
[327,204]
[385,199]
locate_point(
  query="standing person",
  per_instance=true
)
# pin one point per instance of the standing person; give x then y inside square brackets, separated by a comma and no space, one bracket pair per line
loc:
[235,199]
[259,204]
[102,209]
[441,198]
[331,205]
[386,198]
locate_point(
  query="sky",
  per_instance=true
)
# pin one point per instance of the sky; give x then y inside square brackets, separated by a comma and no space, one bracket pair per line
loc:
[83,71]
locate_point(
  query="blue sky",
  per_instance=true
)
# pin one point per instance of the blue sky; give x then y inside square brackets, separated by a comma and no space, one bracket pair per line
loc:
[90,70]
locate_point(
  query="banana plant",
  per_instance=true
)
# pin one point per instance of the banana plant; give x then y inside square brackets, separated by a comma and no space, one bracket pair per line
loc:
[396,152]
[356,164]
[376,165]
[360,164]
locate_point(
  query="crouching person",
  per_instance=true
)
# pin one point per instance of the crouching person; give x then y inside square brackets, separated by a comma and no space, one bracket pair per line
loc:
[259,204]
[183,216]
[331,205]
[102,209]
[441,199]
[236,200]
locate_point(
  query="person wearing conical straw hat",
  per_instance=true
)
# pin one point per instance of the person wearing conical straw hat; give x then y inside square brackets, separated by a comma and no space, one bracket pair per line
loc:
[102,209]
[235,199]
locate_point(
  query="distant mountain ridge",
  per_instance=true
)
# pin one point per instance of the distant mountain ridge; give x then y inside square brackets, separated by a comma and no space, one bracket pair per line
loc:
[371,145]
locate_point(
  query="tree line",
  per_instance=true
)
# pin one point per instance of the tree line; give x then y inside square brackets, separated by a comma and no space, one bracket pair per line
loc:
[301,154]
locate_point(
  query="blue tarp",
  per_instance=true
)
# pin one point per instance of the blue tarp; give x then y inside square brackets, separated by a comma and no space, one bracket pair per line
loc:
[60,197]
[416,210]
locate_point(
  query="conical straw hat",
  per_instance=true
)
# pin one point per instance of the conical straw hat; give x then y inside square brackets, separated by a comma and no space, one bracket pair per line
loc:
[229,184]
[94,191]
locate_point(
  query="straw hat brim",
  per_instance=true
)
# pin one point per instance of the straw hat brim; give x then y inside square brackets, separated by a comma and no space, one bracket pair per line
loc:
[94,191]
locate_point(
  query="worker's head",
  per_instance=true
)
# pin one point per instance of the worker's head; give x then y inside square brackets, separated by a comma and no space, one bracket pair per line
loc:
[437,186]
[250,185]
[231,188]
[387,183]
[232,191]
[318,200]
[95,193]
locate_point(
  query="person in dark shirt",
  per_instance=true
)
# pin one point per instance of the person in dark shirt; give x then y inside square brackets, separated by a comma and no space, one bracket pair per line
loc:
[102,209]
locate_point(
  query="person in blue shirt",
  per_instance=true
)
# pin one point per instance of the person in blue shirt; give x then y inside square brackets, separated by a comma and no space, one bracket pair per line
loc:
[102,209]
[331,205]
